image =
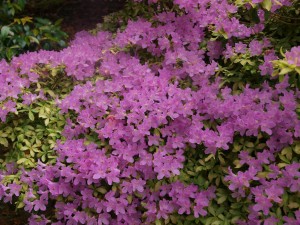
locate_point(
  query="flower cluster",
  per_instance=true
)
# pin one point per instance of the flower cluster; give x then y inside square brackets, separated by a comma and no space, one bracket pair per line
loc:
[293,56]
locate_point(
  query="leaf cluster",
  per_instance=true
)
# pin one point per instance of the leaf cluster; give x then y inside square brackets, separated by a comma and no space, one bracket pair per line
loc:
[20,33]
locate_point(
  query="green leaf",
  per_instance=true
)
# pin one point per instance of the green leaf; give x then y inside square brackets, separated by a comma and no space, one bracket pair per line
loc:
[42,21]
[278,212]
[173,219]
[236,147]
[4,141]
[42,113]
[24,148]
[293,205]
[26,19]
[5,30]
[38,142]
[3,134]
[47,121]
[158,222]
[212,210]
[297,149]
[221,199]
[210,220]
[31,116]
[129,199]
[51,93]
[267,4]
[20,205]
[33,39]
[287,152]
[284,159]
[221,216]
[102,190]
[9,53]
[21,137]
[58,22]
[285,71]
[21,161]
[209,157]
[249,144]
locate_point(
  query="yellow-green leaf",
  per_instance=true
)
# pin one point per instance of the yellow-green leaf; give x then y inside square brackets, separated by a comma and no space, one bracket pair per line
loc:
[20,205]
[158,222]
[26,19]
[47,121]
[22,160]
[221,199]
[293,205]
[297,149]
[267,4]
[31,116]
[4,141]
[285,71]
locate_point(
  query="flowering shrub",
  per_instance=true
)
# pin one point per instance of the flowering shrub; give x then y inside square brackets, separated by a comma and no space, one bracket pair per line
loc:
[290,64]
[171,120]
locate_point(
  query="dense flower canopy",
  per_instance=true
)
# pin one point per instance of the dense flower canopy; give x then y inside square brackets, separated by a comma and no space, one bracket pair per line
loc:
[150,97]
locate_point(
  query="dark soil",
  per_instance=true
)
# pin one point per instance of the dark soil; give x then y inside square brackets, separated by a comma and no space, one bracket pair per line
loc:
[8,215]
[77,15]
[81,15]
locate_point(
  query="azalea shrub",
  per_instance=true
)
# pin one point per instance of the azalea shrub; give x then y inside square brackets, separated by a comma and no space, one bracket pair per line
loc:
[185,114]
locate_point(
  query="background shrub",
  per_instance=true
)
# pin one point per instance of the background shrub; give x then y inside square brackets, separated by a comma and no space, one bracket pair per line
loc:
[21,33]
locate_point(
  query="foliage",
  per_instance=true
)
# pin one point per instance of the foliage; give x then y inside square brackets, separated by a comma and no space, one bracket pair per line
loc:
[175,118]
[289,65]
[21,33]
